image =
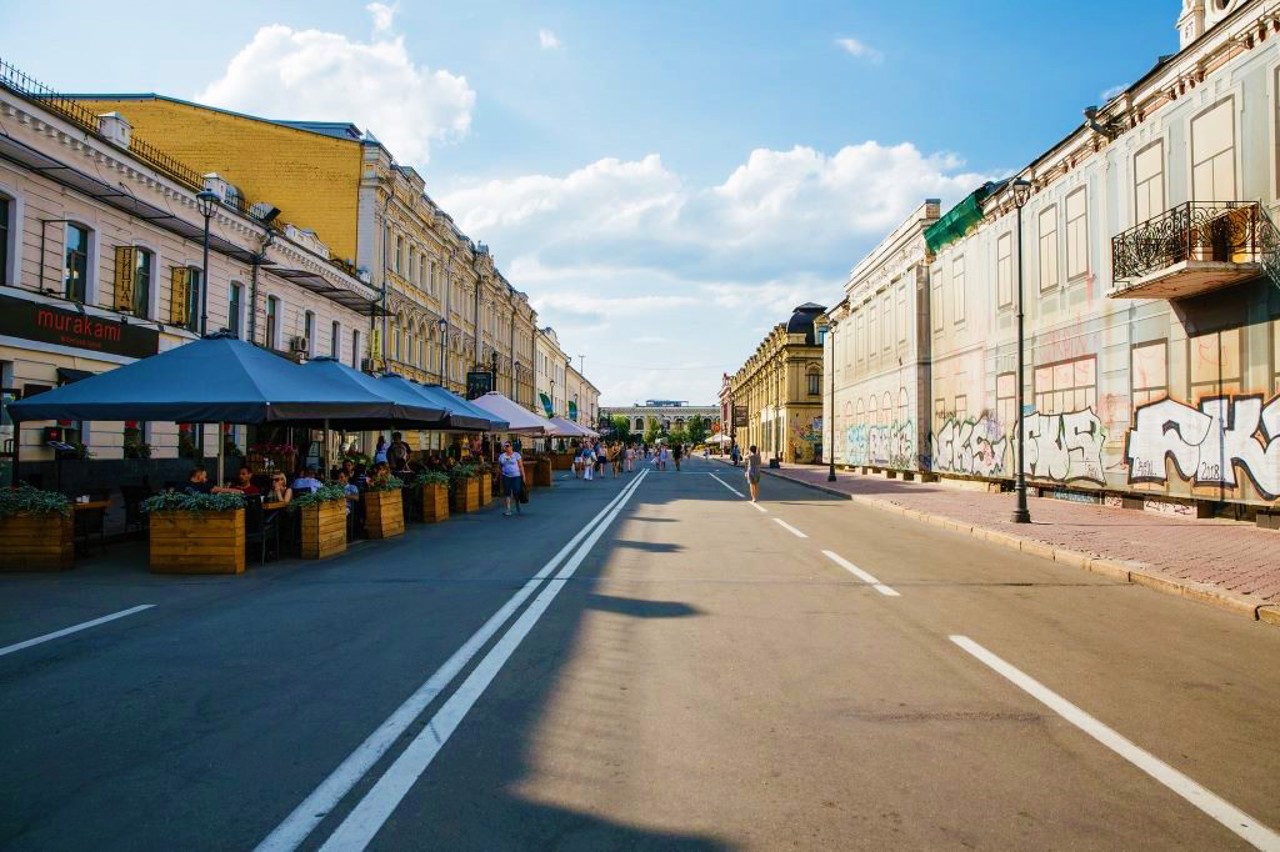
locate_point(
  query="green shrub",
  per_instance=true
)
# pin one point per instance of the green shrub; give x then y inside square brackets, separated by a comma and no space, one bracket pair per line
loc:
[391,484]
[463,471]
[324,494]
[32,501]
[180,501]
[431,477]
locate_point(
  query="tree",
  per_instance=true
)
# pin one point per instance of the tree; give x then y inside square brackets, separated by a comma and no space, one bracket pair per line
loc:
[621,428]
[678,436]
[652,430]
[696,429]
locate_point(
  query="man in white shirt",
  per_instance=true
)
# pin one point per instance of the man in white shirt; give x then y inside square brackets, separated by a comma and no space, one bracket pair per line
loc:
[307,479]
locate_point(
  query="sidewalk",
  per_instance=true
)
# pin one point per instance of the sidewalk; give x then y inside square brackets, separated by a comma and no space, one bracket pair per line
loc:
[1227,563]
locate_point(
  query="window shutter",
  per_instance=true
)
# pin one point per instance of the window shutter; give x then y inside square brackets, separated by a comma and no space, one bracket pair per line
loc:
[180,299]
[126,266]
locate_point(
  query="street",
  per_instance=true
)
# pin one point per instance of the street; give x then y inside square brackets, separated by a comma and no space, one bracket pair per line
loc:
[649,662]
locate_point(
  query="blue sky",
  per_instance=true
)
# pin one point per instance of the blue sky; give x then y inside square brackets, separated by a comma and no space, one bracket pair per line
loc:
[665,180]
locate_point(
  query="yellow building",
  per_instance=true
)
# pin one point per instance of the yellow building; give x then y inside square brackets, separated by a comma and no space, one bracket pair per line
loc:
[781,388]
[448,310]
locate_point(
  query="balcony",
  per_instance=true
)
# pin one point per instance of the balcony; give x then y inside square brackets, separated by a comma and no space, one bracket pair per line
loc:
[1194,248]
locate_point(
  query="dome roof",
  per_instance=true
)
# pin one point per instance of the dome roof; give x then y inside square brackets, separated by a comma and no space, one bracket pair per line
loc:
[802,320]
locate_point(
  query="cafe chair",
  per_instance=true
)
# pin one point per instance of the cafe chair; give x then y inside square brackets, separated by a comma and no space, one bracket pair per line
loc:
[261,530]
[135,520]
[88,524]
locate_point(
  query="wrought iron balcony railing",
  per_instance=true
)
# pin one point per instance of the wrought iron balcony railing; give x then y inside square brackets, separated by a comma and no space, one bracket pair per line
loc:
[1192,248]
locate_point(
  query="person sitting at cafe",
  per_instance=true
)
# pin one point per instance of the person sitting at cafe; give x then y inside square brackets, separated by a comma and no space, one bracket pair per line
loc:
[307,479]
[349,468]
[243,484]
[279,492]
[398,453]
[198,482]
[352,492]
[381,473]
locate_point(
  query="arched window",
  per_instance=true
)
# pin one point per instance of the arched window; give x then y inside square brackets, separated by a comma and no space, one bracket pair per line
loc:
[7,231]
[886,409]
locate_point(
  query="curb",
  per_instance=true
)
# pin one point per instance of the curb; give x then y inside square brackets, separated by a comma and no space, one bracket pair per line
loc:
[1135,573]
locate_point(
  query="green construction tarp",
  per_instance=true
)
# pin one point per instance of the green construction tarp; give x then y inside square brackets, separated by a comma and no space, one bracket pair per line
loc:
[959,220]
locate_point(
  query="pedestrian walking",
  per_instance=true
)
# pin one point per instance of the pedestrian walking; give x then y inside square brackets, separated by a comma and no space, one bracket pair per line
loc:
[512,477]
[588,462]
[753,473]
[676,452]
[601,455]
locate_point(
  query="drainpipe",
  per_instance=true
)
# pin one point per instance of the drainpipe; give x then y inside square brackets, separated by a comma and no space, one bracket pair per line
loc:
[258,259]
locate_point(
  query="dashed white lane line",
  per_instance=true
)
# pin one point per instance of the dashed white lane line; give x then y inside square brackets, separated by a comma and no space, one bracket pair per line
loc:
[860,574]
[1253,831]
[786,526]
[758,507]
[75,628]
[727,485]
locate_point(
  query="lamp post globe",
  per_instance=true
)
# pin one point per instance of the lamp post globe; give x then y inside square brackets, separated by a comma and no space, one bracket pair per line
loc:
[443,325]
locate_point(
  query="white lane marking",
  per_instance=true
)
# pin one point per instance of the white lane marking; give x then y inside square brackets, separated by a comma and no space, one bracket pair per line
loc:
[1253,831]
[795,532]
[758,507]
[368,817]
[312,810]
[864,576]
[726,485]
[76,628]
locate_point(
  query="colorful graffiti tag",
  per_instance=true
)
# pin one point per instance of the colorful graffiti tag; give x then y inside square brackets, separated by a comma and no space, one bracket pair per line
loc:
[1207,444]
[883,446]
[975,447]
[1065,447]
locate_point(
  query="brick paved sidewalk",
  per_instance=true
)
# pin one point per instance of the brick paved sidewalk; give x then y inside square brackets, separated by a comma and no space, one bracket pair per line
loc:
[1235,562]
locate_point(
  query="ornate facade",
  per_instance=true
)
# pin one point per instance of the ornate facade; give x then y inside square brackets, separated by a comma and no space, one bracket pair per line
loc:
[781,387]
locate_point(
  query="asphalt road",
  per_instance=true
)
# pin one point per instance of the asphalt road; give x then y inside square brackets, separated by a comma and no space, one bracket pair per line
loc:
[644,663]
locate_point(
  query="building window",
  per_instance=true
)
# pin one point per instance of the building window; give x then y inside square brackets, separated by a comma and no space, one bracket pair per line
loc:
[235,308]
[936,308]
[873,331]
[815,384]
[1149,372]
[1213,157]
[6,210]
[195,282]
[75,267]
[355,351]
[144,265]
[1004,271]
[335,340]
[399,255]
[957,288]
[1077,234]
[902,313]
[413,265]
[273,322]
[886,321]
[309,333]
[1067,386]
[422,270]
[1049,248]
[1148,182]
[1007,401]
[962,405]
[1216,363]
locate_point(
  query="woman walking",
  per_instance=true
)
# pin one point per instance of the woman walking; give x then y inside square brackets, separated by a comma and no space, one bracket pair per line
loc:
[753,473]
[512,477]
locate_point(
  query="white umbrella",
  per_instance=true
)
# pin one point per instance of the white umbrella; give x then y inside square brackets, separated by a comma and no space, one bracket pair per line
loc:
[569,429]
[522,420]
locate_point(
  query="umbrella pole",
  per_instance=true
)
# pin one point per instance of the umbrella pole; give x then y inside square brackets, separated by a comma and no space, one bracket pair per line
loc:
[222,449]
[324,453]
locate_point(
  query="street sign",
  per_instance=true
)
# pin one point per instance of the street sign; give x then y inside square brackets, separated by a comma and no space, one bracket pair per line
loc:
[479,383]
[740,416]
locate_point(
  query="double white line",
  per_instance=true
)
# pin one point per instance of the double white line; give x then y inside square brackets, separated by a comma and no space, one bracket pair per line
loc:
[360,826]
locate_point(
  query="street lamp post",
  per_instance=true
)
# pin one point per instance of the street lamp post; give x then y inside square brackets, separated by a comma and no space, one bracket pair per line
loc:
[830,338]
[443,325]
[206,202]
[1021,514]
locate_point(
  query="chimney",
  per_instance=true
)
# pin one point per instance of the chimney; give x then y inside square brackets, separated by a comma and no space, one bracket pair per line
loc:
[114,126]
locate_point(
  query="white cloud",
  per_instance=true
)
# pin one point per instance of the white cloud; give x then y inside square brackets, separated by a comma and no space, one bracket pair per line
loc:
[859,49]
[383,16]
[1113,91]
[312,75]
[548,40]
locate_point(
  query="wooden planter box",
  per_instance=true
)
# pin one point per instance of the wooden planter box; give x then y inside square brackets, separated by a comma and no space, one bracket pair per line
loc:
[435,503]
[542,476]
[465,495]
[383,514]
[40,542]
[197,543]
[486,488]
[324,529]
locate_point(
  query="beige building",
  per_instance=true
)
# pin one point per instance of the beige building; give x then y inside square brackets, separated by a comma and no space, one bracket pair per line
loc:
[101,239]
[781,388]
[582,399]
[552,366]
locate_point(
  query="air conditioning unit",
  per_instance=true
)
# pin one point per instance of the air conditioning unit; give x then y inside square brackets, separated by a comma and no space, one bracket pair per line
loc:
[298,344]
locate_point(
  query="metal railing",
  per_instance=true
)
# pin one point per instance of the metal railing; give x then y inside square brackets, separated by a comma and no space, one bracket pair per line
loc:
[1221,231]
[20,83]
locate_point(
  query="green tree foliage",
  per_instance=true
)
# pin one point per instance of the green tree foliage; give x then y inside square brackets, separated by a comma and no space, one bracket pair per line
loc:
[678,436]
[696,430]
[622,428]
[652,430]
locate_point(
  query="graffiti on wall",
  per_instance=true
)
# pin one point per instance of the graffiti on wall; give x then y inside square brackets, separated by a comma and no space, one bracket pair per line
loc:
[1207,444]
[971,446]
[1065,447]
[883,446]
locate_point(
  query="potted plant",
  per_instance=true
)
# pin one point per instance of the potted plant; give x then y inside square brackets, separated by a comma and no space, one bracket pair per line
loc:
[35,530]
[324,521]
[484,472]
[434,486]
[196,533]
[465,489]
[384,508]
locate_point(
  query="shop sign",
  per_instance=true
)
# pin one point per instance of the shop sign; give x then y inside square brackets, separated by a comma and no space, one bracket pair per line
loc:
[478,384]
[51,324]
